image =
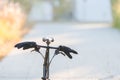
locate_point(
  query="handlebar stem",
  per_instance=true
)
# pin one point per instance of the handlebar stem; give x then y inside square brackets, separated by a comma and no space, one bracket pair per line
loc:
[46,61]
[50,47]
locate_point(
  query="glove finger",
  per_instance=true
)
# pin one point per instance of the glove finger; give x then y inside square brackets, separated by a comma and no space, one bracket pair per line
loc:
[25,47]
[73,51]
[19,45]
[68,54]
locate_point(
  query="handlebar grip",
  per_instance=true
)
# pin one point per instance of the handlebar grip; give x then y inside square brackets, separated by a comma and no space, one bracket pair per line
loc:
[67,51]
[26,45]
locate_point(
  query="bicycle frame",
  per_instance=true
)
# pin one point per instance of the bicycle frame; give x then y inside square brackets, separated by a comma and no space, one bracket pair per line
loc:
[47,61]
[46,65]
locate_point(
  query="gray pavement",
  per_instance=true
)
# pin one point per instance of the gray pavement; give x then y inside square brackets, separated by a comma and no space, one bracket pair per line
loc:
[97,45]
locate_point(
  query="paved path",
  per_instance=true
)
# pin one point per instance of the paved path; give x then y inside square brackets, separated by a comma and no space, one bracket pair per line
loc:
[98,58]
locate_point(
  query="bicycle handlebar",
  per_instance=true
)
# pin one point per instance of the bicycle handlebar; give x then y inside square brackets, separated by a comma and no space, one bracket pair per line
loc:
[60,49]
[47,47]
[64,50]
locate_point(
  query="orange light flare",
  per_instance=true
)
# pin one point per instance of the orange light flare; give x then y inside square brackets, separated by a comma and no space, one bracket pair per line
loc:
[12,20]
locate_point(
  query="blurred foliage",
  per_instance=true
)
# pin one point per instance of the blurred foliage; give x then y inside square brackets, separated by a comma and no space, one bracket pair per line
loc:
[62,9]
[116,13]
[12,20]
[25,4]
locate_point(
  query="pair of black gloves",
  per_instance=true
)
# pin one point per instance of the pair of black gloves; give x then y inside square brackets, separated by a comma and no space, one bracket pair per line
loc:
[61,49]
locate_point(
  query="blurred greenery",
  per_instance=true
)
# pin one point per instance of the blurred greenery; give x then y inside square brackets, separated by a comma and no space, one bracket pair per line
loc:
[116,13]
[26,4]
[63,10]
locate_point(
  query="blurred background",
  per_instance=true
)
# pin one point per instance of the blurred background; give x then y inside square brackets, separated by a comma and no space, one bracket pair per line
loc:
[17,17]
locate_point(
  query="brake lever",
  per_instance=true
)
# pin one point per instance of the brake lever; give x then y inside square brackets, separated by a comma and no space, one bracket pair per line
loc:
[56,53]
[59,52]
[37,50]
[62,53]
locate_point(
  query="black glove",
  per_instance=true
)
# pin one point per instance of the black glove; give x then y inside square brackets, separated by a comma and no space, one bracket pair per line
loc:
[26,45]
[67,51]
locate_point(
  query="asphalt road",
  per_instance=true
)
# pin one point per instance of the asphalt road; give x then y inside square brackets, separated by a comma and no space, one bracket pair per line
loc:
[97,45]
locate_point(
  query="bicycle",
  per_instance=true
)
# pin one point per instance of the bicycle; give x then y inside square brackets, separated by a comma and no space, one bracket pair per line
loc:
[64,50]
